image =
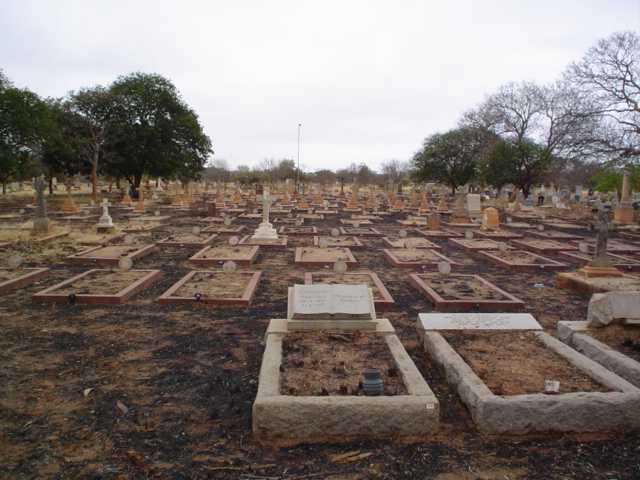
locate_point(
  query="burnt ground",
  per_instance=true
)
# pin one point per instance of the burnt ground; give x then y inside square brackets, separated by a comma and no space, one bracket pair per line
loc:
[144,390]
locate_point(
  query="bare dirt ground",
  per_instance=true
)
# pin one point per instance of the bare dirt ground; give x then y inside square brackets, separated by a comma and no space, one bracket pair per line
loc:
[143,390]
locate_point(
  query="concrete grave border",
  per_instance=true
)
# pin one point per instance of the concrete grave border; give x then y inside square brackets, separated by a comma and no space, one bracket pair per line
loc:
[550,265]
[521,414]
[396,262]
[619,261]
[459,242]
[548,249]
[510,304]
[81,258]
[173,243]
[244,261]
[351,262]
[575,334]
[32,275]
[357,243]
[48,295]
[244,300]
[285,420]
[433,246]
[371,232]
[309,230]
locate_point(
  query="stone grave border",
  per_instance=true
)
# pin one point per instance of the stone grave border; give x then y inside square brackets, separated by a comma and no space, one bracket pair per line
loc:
[281,245]
[351,262]
[578,283]
[284,230]
[387,301]
[575,334]
[245,261]
[174,243]
[146,228]
[48,295]
[244,300]
[617,249]
[523,244]
[459,242]
[351,221]
[491,235]
[545,235]
[358,243]
[396,262]
[434,246]
[511,303]
[549,265]
[48,238]
[81,259]
[32,275]
[579,258]
[373,232]
[226,229]
[520,414]
[286,420]
[447,233]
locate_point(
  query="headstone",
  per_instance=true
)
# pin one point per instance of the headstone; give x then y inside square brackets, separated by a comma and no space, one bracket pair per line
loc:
[490,219]
[105,224]
[623,213]
[433,221]
[324,301]
[477,321]
[340,267]
[474,208]
[606,308]
[444,268]
[125,264]
[265,230]
[229,266]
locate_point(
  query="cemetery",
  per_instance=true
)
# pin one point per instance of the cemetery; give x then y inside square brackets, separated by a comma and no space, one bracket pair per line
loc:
[188,292]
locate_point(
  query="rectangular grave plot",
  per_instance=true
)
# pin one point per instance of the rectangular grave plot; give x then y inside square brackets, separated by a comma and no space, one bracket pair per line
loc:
[498,234]
[188,239]
[615,246]
[361,231]
[415,242]
[224,229]
[382,299]
[415,257]
[288,230]
[501,381]
[439,233]
[313,257]
[279,243]
[613,346]
[139,228]
[545,246]
[213,288]
[99,287]
[553,235]
[477,244]
[619,261]
[634,237]
[11,280]
[287,398]
[110,255]
[464,293]
[352,243]
[243,255]
[522,260]
[353,222]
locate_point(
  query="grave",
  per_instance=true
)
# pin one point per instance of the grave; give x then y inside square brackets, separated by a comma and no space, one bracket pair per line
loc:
[213,288]
[553,235]
[224,229]
[265,230]
[304,396]
[416,257]
[490,219]
[409,242]
[544,246]
[346,242]
[381,297]
[474,244]
[355,222]
[279,243]
[110,255]
[316,256]
[298,231]
[498,234]
[461,292]
[99,287]
[188,239]
[517,380]
[444,233]
[623,213]
[243,255]
[620,262]
[361,231]
[16,278]
[105,224]
[521,260]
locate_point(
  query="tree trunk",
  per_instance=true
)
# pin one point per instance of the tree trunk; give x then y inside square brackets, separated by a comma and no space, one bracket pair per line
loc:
[51,185]
[4,188]
[94,174]
[453,190]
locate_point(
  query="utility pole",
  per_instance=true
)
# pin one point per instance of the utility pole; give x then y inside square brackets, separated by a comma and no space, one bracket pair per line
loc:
[298,169]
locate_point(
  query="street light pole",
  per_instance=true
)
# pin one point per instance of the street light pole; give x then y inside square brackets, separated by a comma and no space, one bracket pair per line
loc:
[298,169]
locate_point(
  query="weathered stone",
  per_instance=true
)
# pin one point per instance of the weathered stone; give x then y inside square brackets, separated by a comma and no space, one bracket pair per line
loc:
[605,308]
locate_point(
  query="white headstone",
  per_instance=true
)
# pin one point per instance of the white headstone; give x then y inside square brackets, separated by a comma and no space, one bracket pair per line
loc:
[444,268]
[125,264]
[340,266]
[229,266]
[477,321]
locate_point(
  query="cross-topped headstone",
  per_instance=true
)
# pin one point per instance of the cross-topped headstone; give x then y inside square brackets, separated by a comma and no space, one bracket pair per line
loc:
[603,227]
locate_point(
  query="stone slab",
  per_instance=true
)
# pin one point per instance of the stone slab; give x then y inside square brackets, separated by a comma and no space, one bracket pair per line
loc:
[477,321]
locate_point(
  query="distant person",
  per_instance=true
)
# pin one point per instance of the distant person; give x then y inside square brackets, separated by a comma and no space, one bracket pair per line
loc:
[540,199]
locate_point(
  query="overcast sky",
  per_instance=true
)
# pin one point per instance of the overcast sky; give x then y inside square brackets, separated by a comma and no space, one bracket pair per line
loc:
[368,80]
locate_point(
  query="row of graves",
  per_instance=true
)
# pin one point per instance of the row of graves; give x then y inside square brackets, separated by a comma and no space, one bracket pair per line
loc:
[334,368]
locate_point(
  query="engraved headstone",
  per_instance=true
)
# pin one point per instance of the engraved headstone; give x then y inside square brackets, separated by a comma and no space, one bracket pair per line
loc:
[229,266]
[477,321]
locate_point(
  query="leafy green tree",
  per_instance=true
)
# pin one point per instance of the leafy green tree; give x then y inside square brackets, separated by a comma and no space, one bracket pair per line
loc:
[95,105]
[450,158]
[22,120]
[610,179]
[153,132]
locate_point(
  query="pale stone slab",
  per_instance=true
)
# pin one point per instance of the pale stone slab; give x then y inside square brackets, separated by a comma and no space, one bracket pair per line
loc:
[477,321]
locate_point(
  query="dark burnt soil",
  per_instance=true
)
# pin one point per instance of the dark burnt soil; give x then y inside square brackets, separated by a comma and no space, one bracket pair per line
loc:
[149,391]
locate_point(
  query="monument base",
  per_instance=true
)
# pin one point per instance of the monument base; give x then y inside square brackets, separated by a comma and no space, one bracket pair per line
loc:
[265,231]
[105,228]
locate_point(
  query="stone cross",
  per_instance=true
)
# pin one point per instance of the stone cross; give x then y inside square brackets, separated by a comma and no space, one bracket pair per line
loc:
[266,204]
[603,227]
[40,222]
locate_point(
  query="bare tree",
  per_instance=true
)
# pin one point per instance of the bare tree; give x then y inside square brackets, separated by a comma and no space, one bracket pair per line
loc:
[607,80]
